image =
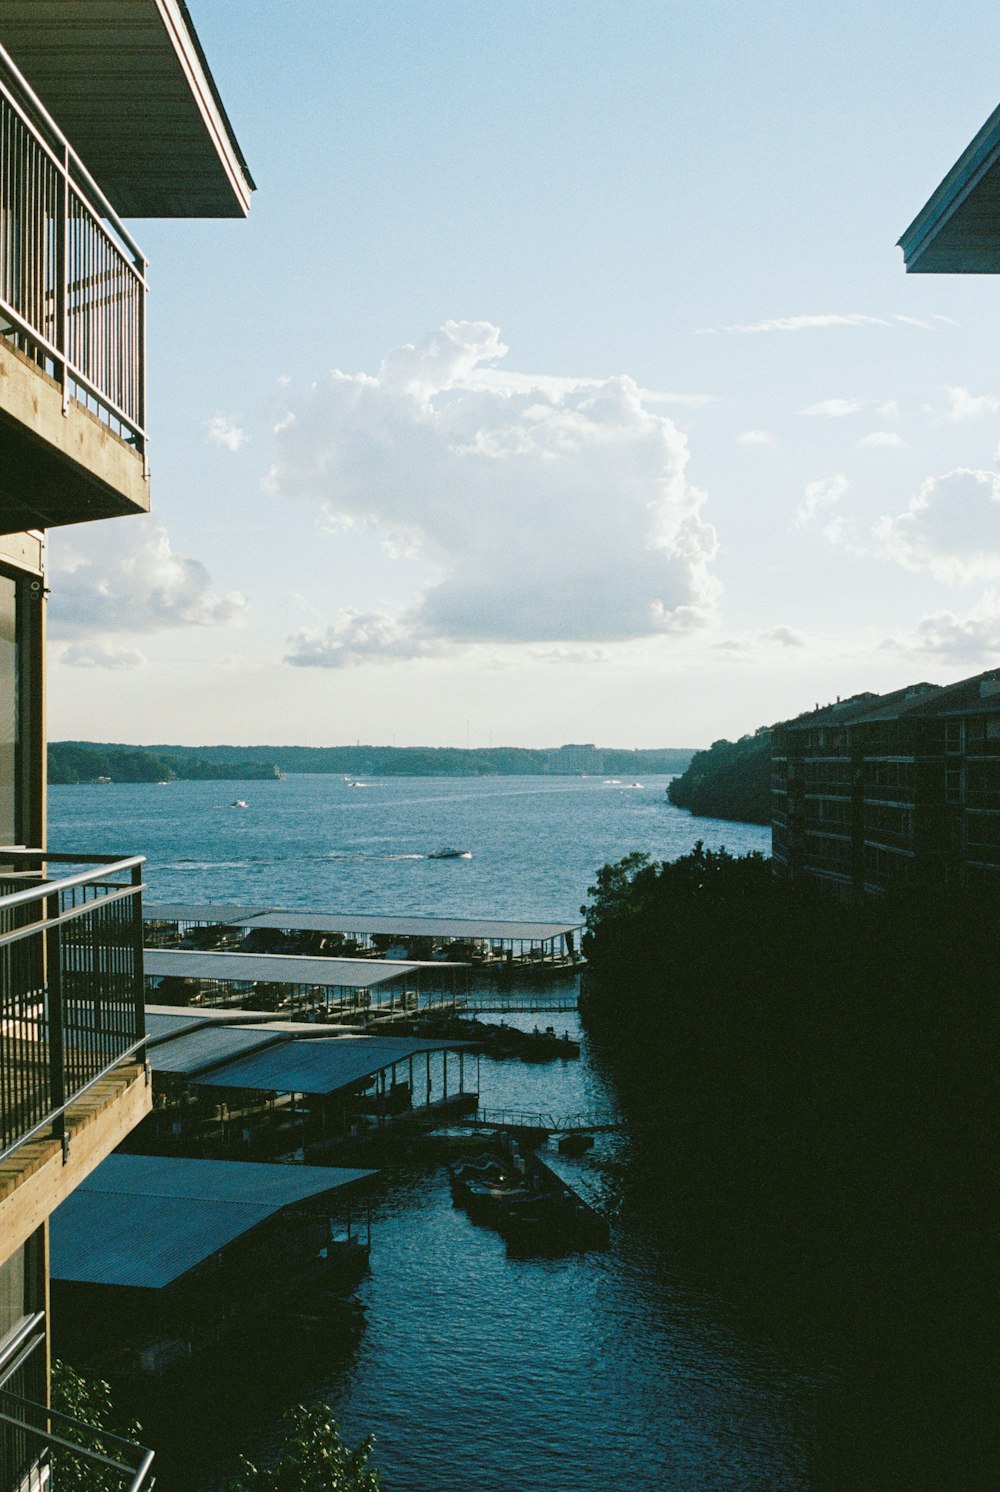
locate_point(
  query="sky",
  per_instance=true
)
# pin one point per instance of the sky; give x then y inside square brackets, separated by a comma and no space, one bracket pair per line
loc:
[564,384]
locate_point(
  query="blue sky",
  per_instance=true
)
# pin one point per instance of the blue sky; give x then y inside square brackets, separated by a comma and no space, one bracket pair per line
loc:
[673,447]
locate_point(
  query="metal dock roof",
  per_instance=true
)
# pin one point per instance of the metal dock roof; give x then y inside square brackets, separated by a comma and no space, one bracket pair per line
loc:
[206,1046]
[275,968]
[416,927]
[228,914]
[145,1220]
[317,1066]
[290,920]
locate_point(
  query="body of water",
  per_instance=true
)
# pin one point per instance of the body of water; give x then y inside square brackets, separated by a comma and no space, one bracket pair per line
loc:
[474,1370]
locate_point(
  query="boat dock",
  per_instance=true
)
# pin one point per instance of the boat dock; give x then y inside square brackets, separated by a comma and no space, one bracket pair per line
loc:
[491,945]
[361,992]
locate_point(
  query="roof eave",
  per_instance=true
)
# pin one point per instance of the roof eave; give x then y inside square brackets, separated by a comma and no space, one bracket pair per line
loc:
[926,245]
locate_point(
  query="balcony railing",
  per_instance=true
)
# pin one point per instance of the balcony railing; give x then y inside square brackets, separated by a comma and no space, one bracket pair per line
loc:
[72,281]
[42,1448]
[71,985]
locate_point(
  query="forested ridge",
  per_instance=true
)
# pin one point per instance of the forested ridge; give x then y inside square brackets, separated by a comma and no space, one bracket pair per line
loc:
[84,761]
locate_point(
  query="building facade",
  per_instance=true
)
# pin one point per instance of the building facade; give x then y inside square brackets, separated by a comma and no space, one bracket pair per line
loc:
[879,791]
[104,112]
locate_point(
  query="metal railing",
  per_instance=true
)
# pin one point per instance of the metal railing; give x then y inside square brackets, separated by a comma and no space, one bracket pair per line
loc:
[72,280]
[41,1447]
[71,985]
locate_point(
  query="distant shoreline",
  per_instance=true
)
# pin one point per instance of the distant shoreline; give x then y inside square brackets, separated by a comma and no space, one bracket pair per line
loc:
[73,762]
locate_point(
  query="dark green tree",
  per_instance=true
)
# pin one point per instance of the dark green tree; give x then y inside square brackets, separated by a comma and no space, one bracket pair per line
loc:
[315,1458]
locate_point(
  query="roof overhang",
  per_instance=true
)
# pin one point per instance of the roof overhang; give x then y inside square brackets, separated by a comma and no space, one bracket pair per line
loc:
[130,87]
[957,232]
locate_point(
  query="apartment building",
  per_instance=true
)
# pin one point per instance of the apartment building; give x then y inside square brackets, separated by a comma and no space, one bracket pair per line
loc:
[879,791]
[106,111]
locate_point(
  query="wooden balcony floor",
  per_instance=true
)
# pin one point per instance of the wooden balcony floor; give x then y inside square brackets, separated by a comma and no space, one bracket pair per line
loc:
[36,1153]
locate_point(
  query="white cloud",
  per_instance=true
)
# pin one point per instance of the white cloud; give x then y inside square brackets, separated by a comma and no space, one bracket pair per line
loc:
[882,438]
[821,495]
[973,639]
[360,637]
[834,409]
[924,326]
[101,654]
[503,381]
[787,637]
[125,577]
[554,511]
[965,406]
[838,409]
[950,530]
[803,323]
[225,432]
[756,438]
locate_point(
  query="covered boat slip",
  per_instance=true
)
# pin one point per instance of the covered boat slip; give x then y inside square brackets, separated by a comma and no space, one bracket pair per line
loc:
[483,940]
[361,991]
[259,1086]
[159,1255]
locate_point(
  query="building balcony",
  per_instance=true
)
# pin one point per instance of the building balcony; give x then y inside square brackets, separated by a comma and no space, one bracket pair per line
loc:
[72,331]
[73,1079]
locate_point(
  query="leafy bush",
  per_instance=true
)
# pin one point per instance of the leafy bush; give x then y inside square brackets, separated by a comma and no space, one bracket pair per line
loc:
[314,1459]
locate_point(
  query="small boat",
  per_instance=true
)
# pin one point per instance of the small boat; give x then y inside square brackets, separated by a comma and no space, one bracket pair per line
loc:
[447,852]
[239,803]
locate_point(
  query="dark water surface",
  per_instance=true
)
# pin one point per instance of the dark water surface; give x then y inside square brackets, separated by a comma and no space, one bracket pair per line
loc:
[472,1369]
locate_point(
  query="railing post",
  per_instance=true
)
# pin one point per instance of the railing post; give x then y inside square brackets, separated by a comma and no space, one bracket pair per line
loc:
[138,945]
[141,355]
[55,1020]
[62,278]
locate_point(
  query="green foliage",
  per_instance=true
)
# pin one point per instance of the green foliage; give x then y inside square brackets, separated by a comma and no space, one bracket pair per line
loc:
[732,780]
[75,761]
[314,1459]
[87,1400]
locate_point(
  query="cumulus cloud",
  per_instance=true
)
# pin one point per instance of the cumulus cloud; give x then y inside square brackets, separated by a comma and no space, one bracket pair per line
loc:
[225,432]
[359,637]
[973,639]
[965,406]
[803,323]
[821,495]
[504,380]
[550,512]
[126,578]
[101,654]
[950,529]
[882,438]
[756,438]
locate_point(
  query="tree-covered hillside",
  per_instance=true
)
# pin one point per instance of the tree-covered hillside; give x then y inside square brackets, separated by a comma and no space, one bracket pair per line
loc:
[83,761]
[79,761]
[731,780]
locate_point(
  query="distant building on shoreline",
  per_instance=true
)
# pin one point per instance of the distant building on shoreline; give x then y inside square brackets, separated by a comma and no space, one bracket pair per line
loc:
[576,759]
[879,791]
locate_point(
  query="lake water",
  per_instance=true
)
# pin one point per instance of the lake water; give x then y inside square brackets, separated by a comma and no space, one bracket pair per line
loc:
[474,1370]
